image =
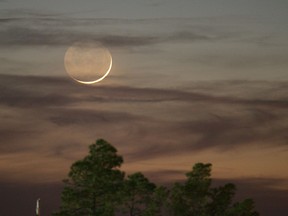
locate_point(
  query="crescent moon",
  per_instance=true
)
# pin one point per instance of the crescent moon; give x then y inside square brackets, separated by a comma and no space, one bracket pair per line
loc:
[98,80]
[87,62]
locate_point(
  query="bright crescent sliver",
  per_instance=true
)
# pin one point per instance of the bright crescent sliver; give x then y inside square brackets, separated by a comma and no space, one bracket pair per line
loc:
[71,57]
[98,80]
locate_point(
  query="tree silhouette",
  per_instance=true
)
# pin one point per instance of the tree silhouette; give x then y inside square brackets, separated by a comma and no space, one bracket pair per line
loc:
[93,182]
[157,205]
[96,186]
[221,199]
[136,194]
[196,197]
[191,198]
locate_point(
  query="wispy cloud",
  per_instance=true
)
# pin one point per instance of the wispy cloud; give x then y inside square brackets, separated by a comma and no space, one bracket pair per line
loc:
[20,36]
[52,123]
[225,123]
[24,28]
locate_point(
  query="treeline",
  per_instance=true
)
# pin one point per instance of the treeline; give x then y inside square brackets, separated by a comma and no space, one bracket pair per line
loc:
[96,186]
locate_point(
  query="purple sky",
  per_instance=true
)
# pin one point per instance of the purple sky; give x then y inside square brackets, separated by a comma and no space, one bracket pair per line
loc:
[192,81]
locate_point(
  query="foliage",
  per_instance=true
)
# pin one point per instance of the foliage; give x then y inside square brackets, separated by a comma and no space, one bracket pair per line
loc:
[196,197]
[191,198]
[244,208]
[136,194]
[158,202]
[96,186]
[221,199]
[90,189]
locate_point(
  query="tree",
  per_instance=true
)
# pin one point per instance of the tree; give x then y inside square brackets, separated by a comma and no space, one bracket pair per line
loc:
[157,206]
[191,198]
[196,197]
[93,182]
[96,186]
[244,208]
[136,194]
[221,200]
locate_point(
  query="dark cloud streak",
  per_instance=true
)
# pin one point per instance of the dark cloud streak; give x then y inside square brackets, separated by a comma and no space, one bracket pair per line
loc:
[47,94]
[21,36]
[58,104]
[31,29]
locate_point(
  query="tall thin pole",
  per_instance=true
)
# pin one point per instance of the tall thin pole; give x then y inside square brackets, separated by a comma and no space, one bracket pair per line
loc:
[38,207]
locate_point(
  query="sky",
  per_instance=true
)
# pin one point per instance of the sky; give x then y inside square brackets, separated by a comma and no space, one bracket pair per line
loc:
[192,81]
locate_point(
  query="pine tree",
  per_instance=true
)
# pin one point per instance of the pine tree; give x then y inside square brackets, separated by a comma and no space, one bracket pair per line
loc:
[93,183]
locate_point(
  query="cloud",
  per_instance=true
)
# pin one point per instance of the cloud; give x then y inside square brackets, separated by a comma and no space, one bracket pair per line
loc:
[20,36]
[27,28]
[206,120]
[54,122]
[6,20]
[242,60]
[89,117]
[59,91]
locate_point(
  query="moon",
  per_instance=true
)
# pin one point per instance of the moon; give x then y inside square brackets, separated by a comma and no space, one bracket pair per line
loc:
[87,62]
